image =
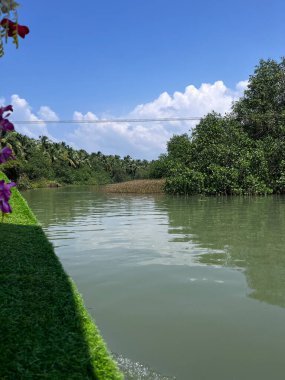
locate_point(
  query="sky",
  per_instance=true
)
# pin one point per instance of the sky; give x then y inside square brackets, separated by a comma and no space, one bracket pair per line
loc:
[137,59]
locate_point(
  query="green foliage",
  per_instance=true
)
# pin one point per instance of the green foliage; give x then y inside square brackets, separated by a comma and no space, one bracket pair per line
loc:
[252,184]
[261,111]
[222,180]
[183,180]
[38,166]
[179,147]
[219,141]
[241,153]
[13,169]
[159,168]
[43,161]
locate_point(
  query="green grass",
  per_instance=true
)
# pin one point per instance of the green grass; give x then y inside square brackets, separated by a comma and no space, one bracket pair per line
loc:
[45,330]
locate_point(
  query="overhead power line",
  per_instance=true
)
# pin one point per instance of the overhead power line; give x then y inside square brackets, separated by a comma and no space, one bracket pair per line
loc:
[146,120]
[102,121]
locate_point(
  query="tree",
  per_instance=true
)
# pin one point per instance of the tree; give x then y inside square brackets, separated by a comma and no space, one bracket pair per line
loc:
[179,147]
[261,110]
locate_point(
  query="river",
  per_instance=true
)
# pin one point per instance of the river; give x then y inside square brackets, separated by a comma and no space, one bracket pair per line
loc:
[185,288]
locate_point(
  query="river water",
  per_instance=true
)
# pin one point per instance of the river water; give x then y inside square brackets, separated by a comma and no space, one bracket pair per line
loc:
[185,288]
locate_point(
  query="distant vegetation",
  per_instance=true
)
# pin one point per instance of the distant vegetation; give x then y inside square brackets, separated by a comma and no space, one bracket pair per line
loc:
[142,186]
[43,162]
[240,153]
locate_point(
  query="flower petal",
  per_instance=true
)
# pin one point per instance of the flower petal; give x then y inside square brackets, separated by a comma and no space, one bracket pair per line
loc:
[5,154]
[5,109]
[11,27]
[5,207]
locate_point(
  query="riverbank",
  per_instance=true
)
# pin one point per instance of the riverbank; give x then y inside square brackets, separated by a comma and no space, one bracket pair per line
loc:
[45,329]
[141,186]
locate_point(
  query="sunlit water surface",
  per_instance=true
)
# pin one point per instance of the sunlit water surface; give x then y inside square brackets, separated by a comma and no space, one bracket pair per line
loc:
[191,288]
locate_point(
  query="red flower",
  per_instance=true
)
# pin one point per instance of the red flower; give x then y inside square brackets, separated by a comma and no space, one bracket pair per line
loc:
[11,27]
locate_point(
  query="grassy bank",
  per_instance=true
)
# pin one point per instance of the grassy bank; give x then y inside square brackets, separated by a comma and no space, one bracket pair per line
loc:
[141,186]
[46,332]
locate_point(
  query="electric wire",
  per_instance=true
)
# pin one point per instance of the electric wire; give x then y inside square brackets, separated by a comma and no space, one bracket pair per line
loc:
[143,120]
[108,121]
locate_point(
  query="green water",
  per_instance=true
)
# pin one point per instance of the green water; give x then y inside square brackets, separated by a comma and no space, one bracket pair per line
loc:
[191,288]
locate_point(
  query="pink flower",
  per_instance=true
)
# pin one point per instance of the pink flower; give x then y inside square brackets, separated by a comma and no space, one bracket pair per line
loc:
[11,27]
[5,193]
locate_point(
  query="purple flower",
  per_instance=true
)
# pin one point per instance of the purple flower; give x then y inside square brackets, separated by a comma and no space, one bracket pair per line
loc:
[5,207]
[5,190]
[6,125]
[5,109]
[5,154]
[5,193]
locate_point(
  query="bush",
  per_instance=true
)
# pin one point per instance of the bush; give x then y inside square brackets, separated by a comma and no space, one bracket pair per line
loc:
[184,181]
[159,168]
[38,166]
[222,180]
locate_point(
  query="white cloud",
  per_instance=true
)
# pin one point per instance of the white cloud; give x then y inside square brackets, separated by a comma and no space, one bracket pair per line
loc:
[139,140]
[45,113]
[241,86]
[148,140]
[192,102]
[89,116]
[23,112]
[120,138]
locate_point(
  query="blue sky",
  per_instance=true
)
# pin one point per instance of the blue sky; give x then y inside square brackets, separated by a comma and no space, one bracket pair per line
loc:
[94,59]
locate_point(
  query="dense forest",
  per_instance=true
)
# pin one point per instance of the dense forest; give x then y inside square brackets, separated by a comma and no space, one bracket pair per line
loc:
[242,152]
[45,163]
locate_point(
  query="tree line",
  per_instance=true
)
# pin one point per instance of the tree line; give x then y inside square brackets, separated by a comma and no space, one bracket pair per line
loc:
[42,162]
[242,152]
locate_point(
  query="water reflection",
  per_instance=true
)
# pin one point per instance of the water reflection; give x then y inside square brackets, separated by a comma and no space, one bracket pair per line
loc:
[243,233]
[173,282]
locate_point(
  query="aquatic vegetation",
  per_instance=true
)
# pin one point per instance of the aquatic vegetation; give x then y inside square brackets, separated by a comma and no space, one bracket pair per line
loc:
[143,186]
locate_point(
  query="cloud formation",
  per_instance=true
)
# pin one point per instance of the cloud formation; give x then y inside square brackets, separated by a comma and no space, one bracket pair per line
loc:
[139,140]
[148,140]
[45,113]
[23,112]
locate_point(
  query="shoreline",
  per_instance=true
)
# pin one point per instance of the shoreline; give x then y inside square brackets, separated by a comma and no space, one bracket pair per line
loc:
[45,327]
